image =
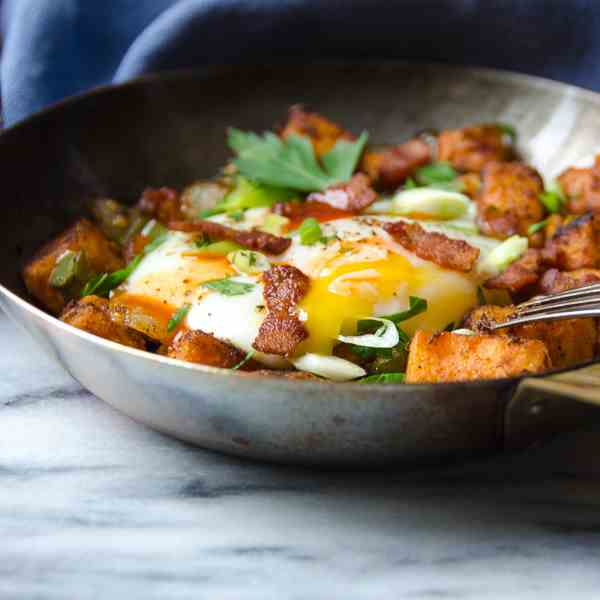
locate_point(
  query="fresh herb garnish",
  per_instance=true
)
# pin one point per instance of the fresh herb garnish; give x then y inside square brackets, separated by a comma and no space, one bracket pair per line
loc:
[410,184]
[229,287]
[553,199]
[244,360]
[532,229]
[291,163]
[416,306]
[509,130]
[310,232]
[436,173]
[383,378]
[103,284]
[177,317]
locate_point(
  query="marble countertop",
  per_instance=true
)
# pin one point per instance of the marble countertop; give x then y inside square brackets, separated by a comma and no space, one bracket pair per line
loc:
[93,505]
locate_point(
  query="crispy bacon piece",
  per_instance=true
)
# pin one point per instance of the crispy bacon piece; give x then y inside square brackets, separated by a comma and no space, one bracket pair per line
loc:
[436,247]
[472,148]
[204,348]
[162,203]
[297,212]
[508,201]
[322,132]
[353,195]
[282,330]
[390,168]
[573,246]
[582,188]
[523,272]
[560,281]
[254,240]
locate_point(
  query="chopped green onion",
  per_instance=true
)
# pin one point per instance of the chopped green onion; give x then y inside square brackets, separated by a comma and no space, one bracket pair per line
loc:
[464,332]
[66,269]
[310,232]
[533,229]
[432,202]
[553,200]
[449,327]
[222,248]
[385,335]
[503,255]
[416,306]
[248,261]
[103,284]
[250,194]
[229,286]
[410,184]
[436,172]
[153,228]
[509,130]
[244,360]
[383,378]
[202,241]
[274,224]
[177,317]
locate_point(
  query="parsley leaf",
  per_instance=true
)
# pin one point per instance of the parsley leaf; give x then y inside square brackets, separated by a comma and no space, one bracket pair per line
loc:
[509,130]
[177,317]
[416,306]
[291,163]
[229,287]
[383,378]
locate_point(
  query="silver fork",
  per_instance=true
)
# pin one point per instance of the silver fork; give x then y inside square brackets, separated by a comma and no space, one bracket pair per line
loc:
[579,302]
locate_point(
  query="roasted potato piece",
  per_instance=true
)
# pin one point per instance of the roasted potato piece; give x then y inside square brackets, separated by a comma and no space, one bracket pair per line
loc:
[573,246]
[520,274]
[92,314]
[203,348]
[442,357]
[472,148]
[100,253]
[560,281]
[162,204]
[322,133]
[508,201]
[389,168]
[569,342]
[201,196]
[582,188]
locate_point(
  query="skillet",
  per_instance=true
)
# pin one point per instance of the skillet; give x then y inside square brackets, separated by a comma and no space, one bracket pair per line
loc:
[169,130]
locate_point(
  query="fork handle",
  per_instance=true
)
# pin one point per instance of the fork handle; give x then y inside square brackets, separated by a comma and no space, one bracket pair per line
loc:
[552,404]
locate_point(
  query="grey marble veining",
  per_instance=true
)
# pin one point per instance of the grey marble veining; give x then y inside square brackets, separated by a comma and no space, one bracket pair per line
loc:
[93,505]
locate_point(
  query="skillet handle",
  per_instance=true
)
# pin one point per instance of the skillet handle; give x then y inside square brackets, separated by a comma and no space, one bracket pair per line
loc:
[544,406]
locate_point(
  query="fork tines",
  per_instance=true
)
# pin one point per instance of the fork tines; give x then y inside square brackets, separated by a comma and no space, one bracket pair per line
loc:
[576,303]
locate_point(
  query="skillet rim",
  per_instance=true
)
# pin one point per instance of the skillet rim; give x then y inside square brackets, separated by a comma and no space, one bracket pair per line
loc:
[202,72]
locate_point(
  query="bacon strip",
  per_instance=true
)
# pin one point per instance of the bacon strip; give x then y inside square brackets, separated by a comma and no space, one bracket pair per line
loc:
[162,203]
[353,195]
[282,330]
[254,240]
[436,247]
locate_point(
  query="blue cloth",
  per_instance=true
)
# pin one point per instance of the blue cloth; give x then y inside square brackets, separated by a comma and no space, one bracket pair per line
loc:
[56,48]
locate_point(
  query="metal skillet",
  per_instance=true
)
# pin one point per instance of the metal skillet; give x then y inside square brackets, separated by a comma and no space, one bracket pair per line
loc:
[169,130]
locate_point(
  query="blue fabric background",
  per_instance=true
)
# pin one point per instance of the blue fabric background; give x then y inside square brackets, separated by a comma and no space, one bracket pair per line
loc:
[55,48]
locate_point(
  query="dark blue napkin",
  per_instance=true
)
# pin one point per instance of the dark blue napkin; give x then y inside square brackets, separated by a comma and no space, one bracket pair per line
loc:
[55,48]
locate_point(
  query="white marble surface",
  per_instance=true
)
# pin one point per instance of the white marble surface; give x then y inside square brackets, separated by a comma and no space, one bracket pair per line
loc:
[93,505]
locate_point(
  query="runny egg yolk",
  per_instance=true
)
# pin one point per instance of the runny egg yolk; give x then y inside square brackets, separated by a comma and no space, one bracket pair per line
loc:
[336,301]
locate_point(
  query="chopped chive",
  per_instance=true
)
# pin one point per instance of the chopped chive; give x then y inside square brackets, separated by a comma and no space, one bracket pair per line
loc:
[242,362]
[416,306]
[177,317]
[532,229]
[435,173]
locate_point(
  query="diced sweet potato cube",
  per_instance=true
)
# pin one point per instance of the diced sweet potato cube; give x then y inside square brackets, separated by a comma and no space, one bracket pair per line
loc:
[569,342]
[101,255]
[442,357]
[508,201]
[91,314]
[472,148]
[582,188]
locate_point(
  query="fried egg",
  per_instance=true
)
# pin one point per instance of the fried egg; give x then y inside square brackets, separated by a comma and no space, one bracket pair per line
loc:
[359,271]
